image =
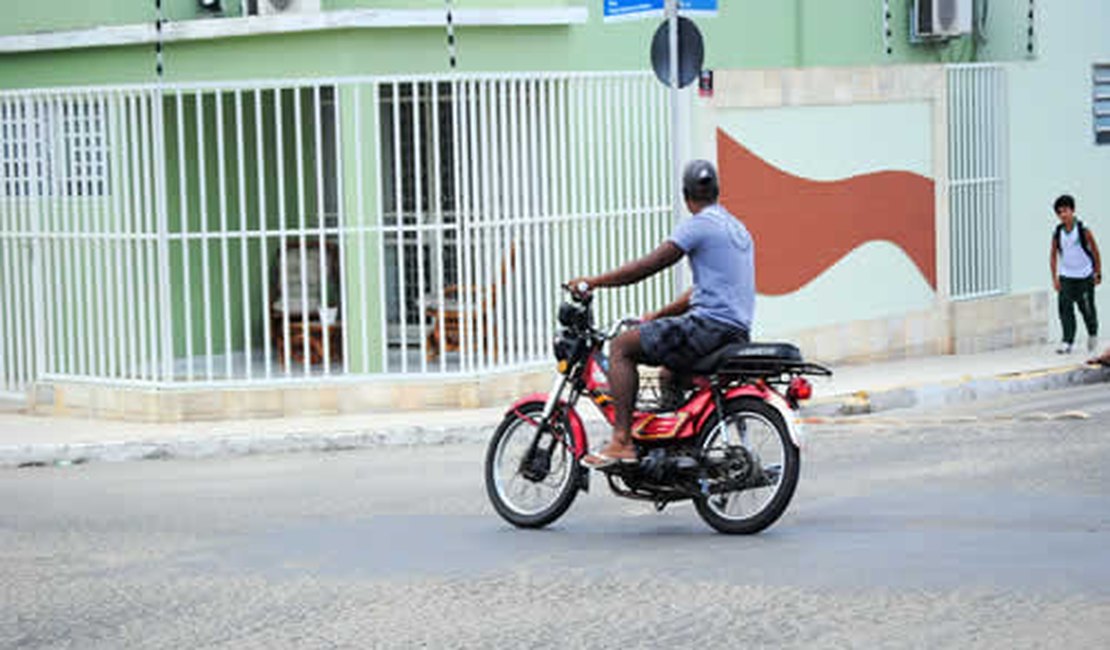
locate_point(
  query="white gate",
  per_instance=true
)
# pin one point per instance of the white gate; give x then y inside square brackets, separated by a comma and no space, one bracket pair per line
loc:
[977,137]
[291,230]
[84,281]
[23,160]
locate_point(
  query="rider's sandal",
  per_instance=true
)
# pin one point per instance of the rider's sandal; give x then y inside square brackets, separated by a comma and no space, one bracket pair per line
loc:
[598,460]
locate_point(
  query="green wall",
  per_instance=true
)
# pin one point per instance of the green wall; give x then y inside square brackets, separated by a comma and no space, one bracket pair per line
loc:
[24,17]
[439,5]
[364,335]
[746,33]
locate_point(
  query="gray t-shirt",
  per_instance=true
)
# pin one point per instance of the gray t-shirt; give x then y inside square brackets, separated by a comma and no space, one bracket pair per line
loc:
[722,258]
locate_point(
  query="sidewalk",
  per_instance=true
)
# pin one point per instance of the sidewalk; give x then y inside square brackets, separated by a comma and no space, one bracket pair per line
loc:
[32,441]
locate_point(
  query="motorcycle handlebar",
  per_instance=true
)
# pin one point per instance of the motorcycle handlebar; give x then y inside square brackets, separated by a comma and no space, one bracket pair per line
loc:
[582,294]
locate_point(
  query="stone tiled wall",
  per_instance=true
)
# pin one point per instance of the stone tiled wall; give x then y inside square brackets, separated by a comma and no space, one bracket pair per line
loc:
[175,405]
[963,327]
[1001,322]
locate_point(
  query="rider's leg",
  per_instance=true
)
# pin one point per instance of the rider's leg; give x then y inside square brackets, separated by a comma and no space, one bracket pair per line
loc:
[624,381]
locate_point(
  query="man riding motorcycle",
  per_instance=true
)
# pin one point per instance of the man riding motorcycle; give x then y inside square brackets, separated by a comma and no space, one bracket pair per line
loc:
[716,311]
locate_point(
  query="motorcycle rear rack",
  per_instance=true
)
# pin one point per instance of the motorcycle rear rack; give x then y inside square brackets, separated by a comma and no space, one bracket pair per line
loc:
[764,368]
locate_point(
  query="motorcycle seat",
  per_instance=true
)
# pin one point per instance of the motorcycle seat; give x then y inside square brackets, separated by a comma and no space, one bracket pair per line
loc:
[749,358]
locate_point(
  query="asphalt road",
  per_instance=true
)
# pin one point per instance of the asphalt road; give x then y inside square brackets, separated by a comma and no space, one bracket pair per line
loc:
[979,526]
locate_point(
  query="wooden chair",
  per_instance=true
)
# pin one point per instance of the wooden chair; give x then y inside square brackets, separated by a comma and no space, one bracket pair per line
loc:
[470,303]
[294,307]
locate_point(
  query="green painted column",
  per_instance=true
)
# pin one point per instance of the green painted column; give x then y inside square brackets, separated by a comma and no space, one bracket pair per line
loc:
[362,310]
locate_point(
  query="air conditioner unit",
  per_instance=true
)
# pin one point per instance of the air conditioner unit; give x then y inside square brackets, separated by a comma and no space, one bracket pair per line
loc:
[938,19]
[281,7]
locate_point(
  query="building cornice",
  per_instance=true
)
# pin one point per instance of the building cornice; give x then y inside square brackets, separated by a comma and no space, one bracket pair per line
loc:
[214,28]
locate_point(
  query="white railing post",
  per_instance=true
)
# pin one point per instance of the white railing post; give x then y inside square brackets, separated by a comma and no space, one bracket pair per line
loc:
[163,236]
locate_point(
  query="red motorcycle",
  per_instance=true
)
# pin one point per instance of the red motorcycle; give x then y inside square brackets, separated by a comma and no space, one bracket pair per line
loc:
[730,443]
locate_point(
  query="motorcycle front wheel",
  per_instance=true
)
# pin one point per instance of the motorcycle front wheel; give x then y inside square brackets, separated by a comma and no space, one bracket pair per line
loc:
[759,467]
[532,478]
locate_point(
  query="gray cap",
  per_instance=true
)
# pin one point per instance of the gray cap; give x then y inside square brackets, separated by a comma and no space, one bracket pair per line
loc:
[699,180]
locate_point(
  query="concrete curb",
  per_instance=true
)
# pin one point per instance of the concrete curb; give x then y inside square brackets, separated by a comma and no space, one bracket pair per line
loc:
[968,389]
[844,408]
[39,455]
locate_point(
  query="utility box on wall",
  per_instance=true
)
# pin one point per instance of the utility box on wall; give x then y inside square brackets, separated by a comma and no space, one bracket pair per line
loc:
[940,19]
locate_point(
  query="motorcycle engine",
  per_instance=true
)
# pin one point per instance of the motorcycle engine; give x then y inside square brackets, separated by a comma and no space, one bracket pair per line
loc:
[659,466]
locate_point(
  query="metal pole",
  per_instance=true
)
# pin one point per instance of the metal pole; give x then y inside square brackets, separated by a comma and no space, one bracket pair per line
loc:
[672,18]
[160,203]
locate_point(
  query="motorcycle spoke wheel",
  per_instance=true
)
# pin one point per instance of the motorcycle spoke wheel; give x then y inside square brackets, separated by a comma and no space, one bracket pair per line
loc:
[524,492]
[773,461]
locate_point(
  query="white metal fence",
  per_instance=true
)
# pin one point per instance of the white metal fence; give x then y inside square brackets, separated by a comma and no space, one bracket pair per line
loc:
[80,209]
[277,231]
[977,164]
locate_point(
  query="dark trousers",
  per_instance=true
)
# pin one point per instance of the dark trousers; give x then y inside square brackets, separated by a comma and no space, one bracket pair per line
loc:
[1081,293]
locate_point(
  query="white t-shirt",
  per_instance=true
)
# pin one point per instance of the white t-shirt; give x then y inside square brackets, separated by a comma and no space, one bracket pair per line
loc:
[1073,262]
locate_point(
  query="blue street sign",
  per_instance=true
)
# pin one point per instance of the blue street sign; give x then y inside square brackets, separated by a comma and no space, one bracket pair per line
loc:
[632,9]
[708,6]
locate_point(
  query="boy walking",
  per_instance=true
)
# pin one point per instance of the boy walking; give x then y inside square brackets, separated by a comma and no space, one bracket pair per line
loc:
[1076,269]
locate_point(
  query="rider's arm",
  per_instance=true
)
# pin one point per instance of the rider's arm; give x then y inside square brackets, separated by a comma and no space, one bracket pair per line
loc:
[679,306]
[665,255]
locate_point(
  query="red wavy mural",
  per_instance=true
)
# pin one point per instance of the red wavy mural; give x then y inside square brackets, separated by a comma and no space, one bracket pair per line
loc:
[802,227]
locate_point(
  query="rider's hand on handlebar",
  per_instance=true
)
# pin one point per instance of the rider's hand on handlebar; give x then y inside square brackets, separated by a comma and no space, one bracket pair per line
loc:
[580,287]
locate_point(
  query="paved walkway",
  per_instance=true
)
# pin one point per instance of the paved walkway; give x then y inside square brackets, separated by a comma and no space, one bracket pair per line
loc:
[37,440]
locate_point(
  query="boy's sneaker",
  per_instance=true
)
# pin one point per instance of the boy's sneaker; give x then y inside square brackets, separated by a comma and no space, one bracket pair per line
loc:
[1065,348]
[1092,343]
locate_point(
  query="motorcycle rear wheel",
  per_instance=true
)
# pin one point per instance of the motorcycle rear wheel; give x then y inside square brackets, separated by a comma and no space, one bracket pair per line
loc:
[760,429]
[517,491]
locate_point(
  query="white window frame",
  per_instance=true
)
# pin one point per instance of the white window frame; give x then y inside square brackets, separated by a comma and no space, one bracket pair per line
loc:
[1100,102]
[22,150]
[29,132]
[85,137]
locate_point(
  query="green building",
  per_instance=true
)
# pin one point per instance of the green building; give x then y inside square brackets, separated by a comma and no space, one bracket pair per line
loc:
[373,203]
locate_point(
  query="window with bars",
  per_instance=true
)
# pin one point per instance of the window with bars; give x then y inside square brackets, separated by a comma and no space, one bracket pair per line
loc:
[53,149]
[85,144]
[25,156]
[411,115]
[417,132]
[1100,102]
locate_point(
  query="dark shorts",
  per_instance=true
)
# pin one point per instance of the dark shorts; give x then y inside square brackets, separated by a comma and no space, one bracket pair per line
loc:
[678,342]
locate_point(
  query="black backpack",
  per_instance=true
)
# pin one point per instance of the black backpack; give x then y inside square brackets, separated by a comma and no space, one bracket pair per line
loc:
[1082,238]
